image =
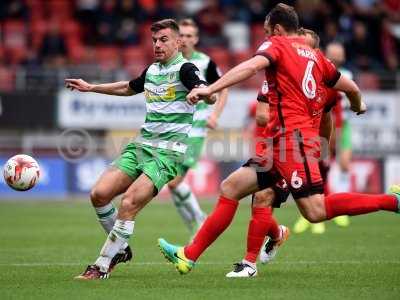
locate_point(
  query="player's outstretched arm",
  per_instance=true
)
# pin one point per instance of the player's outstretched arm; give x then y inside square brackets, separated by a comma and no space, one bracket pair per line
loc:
[240,73]
[350,88]
[237,74]
[120,88]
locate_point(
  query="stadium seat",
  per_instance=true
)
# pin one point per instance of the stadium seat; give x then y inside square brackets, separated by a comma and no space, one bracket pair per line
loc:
[135,59]
[76,50]
[59,9]
[38,28]
[71,28]
[36,9]
[258,35]
[241,56]
[221,57]
[15,40]
[108,57]
[145,39]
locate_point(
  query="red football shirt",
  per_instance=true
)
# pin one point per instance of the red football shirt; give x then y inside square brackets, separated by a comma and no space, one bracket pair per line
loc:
[300,74]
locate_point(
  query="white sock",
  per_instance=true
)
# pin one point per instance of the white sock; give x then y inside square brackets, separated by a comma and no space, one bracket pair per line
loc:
[107,215]
[253,265]
[190,202]
[116,240]
[186,216]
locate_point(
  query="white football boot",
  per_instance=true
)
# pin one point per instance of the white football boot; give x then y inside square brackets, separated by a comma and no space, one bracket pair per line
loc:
[242,270]
[270,247]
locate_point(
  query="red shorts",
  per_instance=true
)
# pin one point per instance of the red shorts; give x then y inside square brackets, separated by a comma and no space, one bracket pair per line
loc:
[296,157]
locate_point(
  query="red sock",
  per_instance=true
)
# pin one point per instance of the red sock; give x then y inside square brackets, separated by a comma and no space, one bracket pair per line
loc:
[357,204]
[259,227]
[274,231]
[214,225]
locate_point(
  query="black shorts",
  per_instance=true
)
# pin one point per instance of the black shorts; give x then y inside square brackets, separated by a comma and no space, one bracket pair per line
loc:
[270,179]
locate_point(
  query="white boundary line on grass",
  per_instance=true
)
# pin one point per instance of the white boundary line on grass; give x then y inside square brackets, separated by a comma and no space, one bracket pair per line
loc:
[301,262]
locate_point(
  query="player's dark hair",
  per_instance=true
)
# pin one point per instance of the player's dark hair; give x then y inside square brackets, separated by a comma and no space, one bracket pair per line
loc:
[189,22]
[315,36]
[285,16]
[164,24]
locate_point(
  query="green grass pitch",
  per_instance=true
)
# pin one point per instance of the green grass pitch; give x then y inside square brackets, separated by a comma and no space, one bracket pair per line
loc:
[43,245]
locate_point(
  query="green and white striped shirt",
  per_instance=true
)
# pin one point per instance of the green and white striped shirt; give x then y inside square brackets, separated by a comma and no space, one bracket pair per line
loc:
[169,117]
[203,110]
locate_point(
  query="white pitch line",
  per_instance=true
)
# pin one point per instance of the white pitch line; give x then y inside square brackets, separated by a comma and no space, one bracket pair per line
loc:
[349,262]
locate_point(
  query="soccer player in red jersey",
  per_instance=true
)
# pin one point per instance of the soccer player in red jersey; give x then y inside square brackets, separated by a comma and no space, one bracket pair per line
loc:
[301,73]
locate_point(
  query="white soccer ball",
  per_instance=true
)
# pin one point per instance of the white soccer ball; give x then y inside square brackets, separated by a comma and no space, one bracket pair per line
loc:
[21,172]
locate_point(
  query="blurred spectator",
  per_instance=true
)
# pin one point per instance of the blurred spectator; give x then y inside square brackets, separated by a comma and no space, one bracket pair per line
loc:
[211,20]
[86,14]
[128,32]
[13,9]
[359,48]
[107,22]
[370,29]
[257,11]
[53,50]
[330,32]
[130,15]
[389,47]
[392,10]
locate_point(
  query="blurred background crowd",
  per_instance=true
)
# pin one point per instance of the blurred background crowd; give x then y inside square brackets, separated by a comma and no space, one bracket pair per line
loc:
[114,34]
[75,135]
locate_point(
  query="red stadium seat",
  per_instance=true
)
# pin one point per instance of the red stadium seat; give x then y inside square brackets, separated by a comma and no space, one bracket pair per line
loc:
[135,59]
[221,57]
[145,38]
[59,9]
[15,40]
[71,28]
[241,56]
[76,51]
[258,35]
[36,9]
[108,57]
[38,29]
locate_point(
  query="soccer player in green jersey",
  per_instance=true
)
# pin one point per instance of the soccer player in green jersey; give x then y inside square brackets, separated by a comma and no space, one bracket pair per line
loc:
[204,117]
[155,157]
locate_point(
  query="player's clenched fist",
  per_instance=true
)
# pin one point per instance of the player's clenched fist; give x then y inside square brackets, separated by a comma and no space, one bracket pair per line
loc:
[362,108]
[79,84]
[198,93]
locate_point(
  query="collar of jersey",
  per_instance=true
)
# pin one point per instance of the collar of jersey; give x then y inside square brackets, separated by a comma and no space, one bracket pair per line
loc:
[173,60]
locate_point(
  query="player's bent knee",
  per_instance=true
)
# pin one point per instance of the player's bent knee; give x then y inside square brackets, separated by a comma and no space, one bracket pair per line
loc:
[100,197]
[228,188]
[263,198]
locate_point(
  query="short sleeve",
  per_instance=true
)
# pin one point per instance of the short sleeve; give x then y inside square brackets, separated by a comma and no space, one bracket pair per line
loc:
[269,49]
[137,85]
[330,73]
[190,76]
[212,73]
